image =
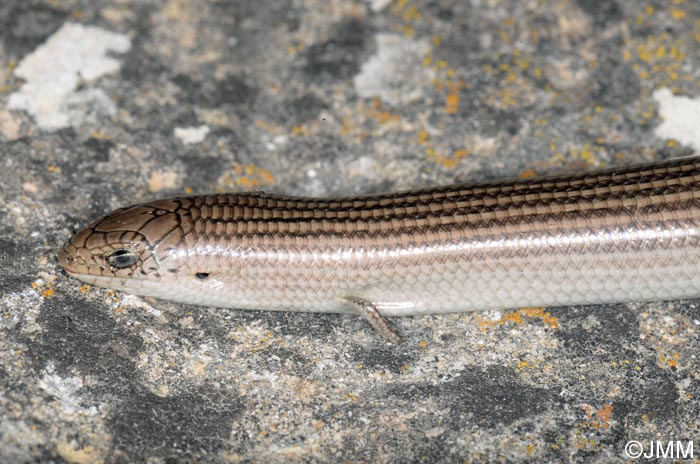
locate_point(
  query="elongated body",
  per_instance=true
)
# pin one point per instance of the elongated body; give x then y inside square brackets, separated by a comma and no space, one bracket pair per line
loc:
[626,234]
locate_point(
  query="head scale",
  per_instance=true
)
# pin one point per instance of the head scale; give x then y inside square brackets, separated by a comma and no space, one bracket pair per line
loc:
[129,244]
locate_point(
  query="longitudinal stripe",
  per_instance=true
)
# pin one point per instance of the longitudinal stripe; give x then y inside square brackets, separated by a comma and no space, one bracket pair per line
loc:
[505,202]
[617,180]
[626,234]
[521,217]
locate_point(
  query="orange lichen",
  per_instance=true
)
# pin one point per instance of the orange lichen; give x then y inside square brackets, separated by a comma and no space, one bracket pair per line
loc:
[406,30]
[381,116]
[300,130]
[512,316]
[599,418]
[506,97]
[423,137]
[45,289]
[660,57]
[452,103]
[268,126]
[407,11]
[459,154]
[245,177]
[384,117]
[519,316]
[411,14]
[294,49]
[671,361]
[398,6]
[527,173]
[448,162]
[523,365]
[678,13]
[97,134]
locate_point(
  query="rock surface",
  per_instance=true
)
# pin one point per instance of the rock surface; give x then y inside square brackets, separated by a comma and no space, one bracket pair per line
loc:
[314,98]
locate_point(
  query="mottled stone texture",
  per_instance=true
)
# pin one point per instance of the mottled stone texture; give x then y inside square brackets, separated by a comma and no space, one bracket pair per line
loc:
[312,97]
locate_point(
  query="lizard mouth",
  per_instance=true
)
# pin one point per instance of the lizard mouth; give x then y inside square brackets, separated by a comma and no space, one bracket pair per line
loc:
[66,260]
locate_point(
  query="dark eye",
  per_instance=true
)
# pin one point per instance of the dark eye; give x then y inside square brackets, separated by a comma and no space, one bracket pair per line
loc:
[121,258]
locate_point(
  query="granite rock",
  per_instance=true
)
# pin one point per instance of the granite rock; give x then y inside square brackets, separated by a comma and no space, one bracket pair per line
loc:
[328,98]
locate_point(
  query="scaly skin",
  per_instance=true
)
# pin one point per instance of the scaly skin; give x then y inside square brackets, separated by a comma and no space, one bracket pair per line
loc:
[626,234]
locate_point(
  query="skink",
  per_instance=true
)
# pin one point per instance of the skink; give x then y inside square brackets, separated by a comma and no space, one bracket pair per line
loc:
[618,235]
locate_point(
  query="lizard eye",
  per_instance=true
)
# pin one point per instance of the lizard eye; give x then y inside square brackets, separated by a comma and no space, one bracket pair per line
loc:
[121,258]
